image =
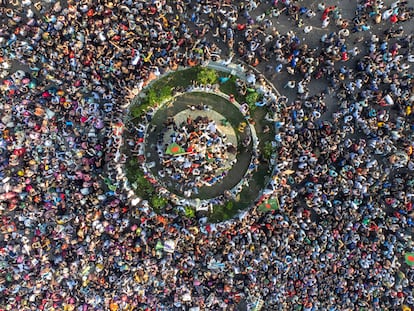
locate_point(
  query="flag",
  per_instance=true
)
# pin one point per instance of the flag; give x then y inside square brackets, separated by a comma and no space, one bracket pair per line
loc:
[209,157]
[174,148]
[159,246]
[409,259]
[269,205]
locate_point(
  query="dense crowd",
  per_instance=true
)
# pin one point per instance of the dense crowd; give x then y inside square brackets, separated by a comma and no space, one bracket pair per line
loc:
[201,156]
[74,237]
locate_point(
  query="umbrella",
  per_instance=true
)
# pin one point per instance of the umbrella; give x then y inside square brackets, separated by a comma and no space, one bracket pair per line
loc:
[409,259]
[174,148]
[269,205]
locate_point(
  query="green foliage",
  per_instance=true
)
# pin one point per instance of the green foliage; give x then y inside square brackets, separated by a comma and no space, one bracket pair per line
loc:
[219,214]
[135,111]
[189,212]
[229,205]
[268,150]
[156,94]
[136,176]
[224,212]
[251,100]
[144,189]
[207,76]
[138,110]
[152,96]
[158,203]
[165,93]
[131,169]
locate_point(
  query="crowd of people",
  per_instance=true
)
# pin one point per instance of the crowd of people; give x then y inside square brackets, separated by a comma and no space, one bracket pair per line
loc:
[201,157]
[74,237]
[196,148]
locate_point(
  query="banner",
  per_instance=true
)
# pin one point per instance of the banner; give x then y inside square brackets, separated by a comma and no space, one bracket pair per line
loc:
[174,149]
[409,259]
[269,205]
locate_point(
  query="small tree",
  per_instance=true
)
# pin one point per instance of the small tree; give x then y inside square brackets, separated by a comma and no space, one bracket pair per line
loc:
[189,211]
[268,150]
[251,100]
[158,203]
[207,76]
[144,187]
[152,97]
[165,93]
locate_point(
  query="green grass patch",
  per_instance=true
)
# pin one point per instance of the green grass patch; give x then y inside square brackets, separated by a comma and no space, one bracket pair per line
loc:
[225,211]
[207,76]
[230,87]
[143,188]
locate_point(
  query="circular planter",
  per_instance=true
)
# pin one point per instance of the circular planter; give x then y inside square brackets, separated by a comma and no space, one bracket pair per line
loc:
[175,163]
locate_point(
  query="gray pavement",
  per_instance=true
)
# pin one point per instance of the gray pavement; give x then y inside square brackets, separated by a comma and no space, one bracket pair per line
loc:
[284,24]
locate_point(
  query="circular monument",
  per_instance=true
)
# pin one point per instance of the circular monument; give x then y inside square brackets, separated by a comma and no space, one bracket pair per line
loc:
[196,146]
[194,149]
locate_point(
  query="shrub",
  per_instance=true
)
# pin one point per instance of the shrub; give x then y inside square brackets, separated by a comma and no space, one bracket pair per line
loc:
[139,109]
[158,203]
[144,189]
[136,176]
[135,111]
[251,100]
[268,150]
[207,76]
[152,96]
[219,213]
[229,205]
[189,212]
[165,93]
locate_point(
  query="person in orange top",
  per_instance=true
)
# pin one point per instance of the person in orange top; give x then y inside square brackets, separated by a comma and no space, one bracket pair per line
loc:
[113,306]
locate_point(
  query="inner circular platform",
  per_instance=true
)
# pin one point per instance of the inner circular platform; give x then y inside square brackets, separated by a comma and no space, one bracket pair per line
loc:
[197,149]
[220,122]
